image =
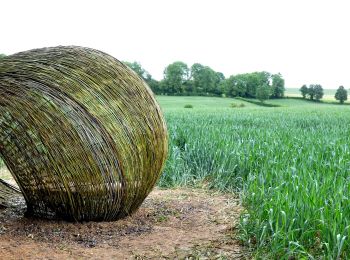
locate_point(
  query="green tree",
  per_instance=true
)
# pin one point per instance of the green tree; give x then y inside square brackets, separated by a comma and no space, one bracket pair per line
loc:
[198,78]
[2,55]
[251,82]
[188,88]
[219,79]
[318,90]
[277,86]
[311,91]
[304,91]
[152,83]
[315,92]
[175,77]
[206,81]
[254,80]
[135,66]
[263,92]
[341,94]
[239,87]
[245,85]
[235,86]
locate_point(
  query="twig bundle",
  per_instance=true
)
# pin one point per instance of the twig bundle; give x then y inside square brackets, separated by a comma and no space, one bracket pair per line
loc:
[80,132]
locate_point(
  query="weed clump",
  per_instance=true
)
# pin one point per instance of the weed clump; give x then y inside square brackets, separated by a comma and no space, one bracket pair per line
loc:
[234,105]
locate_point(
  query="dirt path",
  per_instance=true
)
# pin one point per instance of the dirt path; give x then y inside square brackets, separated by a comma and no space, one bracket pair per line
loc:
[171,224]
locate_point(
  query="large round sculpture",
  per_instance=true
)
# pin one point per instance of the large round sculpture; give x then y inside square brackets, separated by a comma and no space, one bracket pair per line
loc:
[80,132]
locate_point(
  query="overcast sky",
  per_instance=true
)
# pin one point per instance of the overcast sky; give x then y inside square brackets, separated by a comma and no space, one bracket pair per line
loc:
[306,41]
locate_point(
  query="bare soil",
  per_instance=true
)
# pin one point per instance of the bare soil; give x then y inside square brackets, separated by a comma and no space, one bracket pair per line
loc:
[171,224]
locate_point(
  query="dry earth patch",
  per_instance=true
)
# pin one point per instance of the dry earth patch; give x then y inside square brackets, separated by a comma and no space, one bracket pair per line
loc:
[171,224]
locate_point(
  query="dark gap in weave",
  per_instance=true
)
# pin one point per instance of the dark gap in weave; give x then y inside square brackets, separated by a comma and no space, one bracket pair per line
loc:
[8,188]
[5,177]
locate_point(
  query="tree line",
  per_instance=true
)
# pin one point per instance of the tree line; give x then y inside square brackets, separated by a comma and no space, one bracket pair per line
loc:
[315,92]
[312,92]
[199,80]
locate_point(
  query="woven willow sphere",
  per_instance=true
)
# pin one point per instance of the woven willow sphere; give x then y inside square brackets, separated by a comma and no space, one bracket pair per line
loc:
[80,132]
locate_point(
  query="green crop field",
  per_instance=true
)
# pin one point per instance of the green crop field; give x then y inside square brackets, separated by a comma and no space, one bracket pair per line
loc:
[290,165]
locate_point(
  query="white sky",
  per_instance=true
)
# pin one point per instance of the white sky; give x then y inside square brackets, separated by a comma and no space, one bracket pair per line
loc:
[307,41]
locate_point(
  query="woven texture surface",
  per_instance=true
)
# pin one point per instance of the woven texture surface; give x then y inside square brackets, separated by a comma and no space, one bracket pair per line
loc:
[80,132]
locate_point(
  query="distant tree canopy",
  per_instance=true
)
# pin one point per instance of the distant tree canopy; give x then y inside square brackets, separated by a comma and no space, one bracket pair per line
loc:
[304,90]
[154,84]
[205,80]
[313,92]
[277,86]
[263,92]
[201,80]
[2,55]
[341,94]
[135,66]
[246,85]
[176,78]
[318,91]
